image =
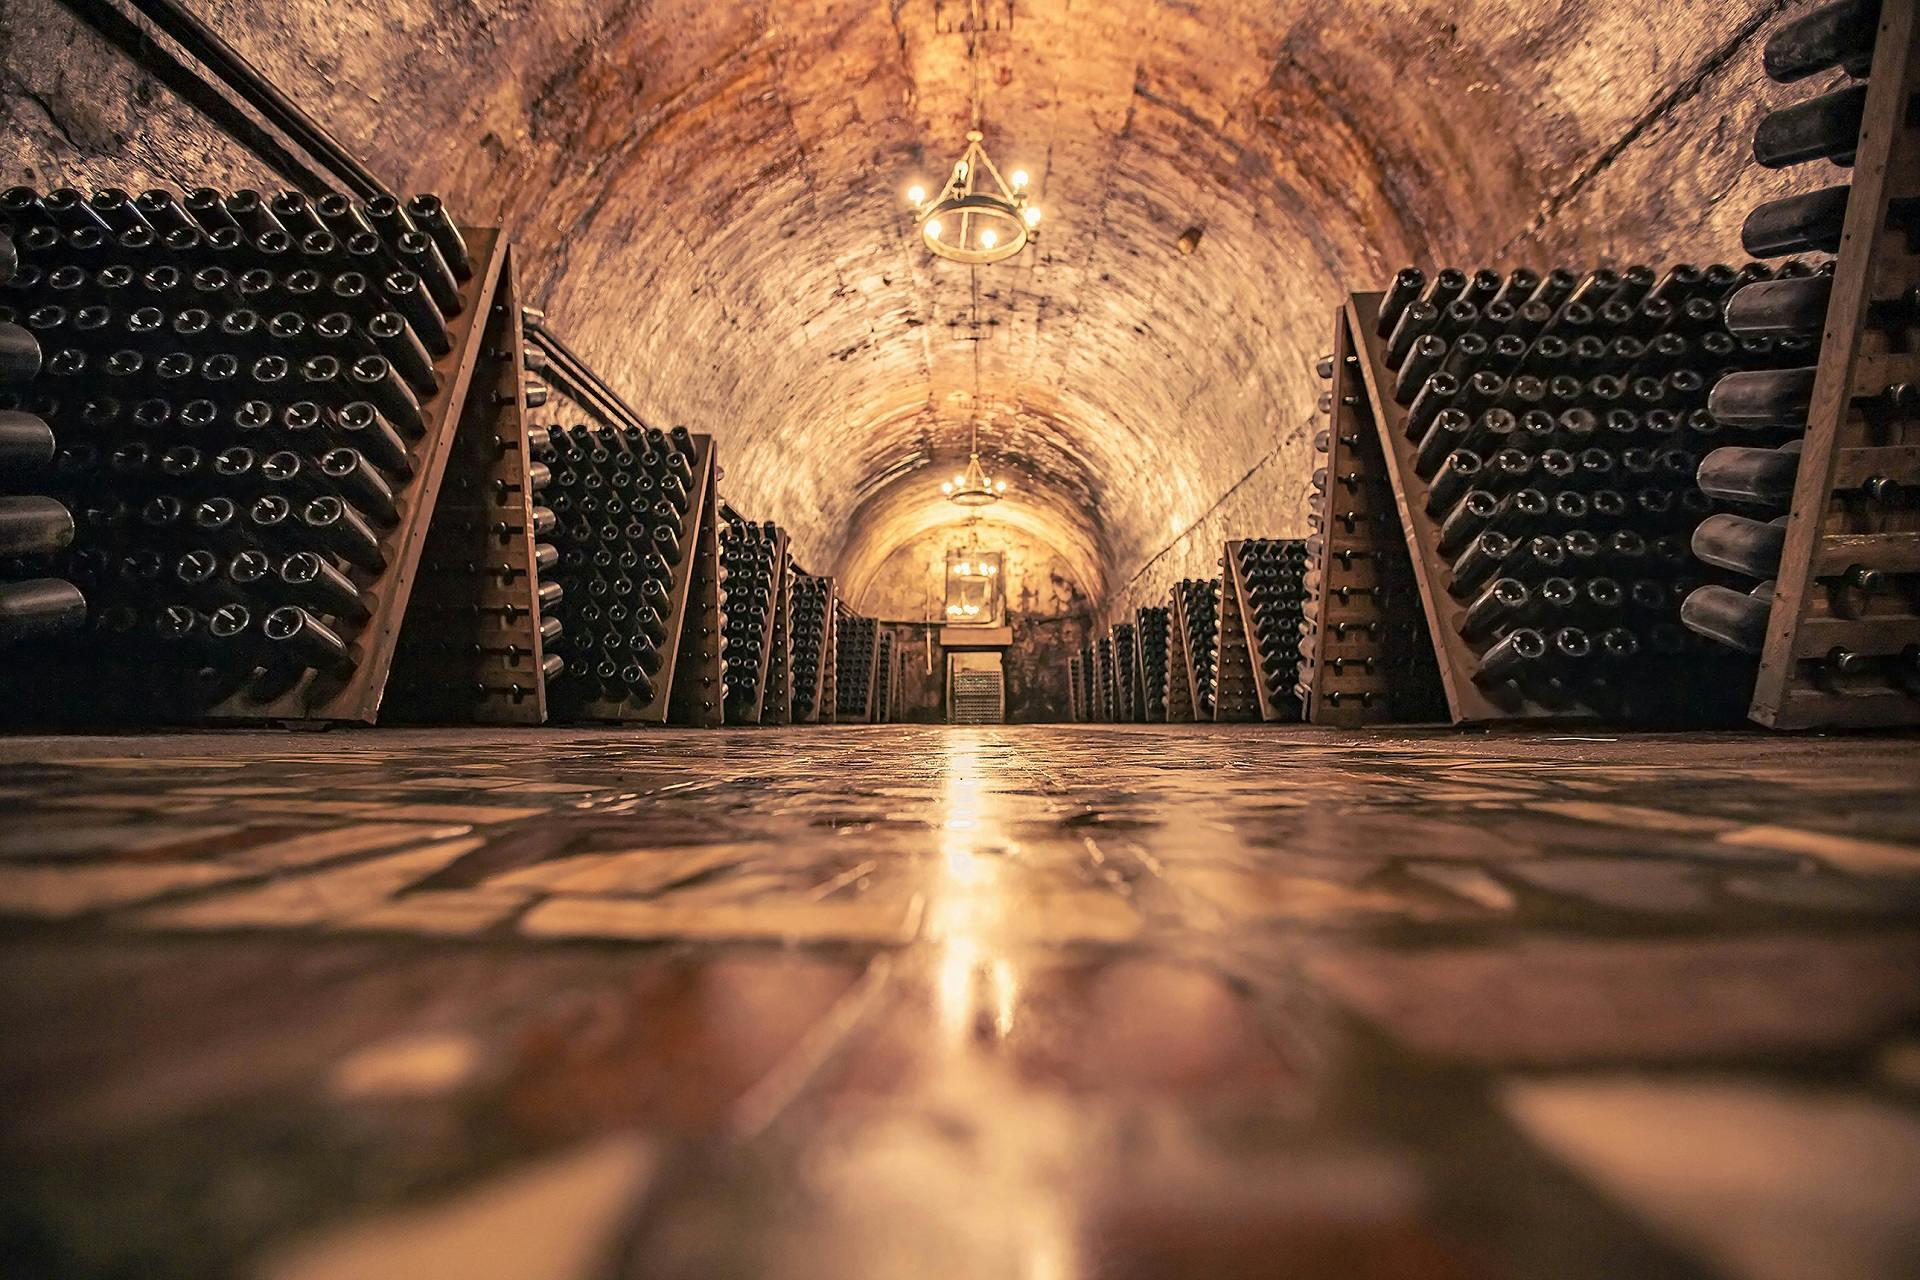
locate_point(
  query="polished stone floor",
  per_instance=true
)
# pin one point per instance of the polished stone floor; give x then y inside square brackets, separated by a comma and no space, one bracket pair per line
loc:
[896,1002]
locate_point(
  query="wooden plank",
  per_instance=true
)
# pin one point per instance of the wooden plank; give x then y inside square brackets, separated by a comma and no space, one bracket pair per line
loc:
[1854,467]
[1809,707]
[1882,635]
[1873,263]
[1888,552]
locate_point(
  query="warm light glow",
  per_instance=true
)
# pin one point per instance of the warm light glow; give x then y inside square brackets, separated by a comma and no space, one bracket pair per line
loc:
[989,568]
[959,480]
[953,611]
[964,569]
[994,222]
[1032,215]
[946,486]
[999,486]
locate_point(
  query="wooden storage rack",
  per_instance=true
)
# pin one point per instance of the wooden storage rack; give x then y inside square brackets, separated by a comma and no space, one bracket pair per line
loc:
[1150,624]
[357,698]
[1235,664]
[1467,702]
[1830,528]
[476,608]
[1342,635]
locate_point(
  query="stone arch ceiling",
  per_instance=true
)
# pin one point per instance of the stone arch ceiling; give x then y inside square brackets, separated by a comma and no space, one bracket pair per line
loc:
[710,199]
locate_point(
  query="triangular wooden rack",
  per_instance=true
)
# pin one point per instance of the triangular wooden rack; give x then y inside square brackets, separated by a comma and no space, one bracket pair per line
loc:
[807,697]
[777,706]
[1233,671]
[1183,704]
[1347,635]
[693,604]
[756,708]
[1148,624]
[1830,528]
[698,687]
[357,698]
[476,608]
[1126,676]
[830,659]
[888,664]
[1284,707]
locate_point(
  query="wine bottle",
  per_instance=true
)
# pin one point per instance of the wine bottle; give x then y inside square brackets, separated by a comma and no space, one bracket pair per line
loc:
[39,607]
[1807,223]
[1742,544]
[1763,398]
[1761,477]
[26,443]
[33,525]
[1834,35]
[1512,658]
[1423,359]
[1406,288]
[1730,617]
[1781,308]
[300,641]
[1826,127]
[1503,604]
[430,216]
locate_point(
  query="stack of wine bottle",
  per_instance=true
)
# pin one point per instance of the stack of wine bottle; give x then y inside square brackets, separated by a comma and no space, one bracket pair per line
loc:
[1195,610]
[620,501]
[1271,576]
[34,528]
[240,387]
[1770,410]
[887,676]
[1150,624]
[753,558]
[1553,425]
[857,649]
[1106,698]
[812,639]
[1126,707]
[1083,700]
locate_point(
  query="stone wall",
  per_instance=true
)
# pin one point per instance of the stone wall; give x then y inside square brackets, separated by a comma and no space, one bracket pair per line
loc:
[1673,185]
[1048,610]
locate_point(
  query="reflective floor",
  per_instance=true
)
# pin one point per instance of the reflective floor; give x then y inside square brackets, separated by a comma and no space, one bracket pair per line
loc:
[1030,1003]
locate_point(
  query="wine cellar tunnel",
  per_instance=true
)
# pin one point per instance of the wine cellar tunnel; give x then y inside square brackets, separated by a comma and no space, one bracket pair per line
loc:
[1055,639]
[710,194]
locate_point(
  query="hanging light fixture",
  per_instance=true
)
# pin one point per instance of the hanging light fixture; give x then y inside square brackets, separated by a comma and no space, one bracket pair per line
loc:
[979,216]
[973,487]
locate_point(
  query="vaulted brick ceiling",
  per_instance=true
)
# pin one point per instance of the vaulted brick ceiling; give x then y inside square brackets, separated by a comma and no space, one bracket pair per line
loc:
[711,199]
